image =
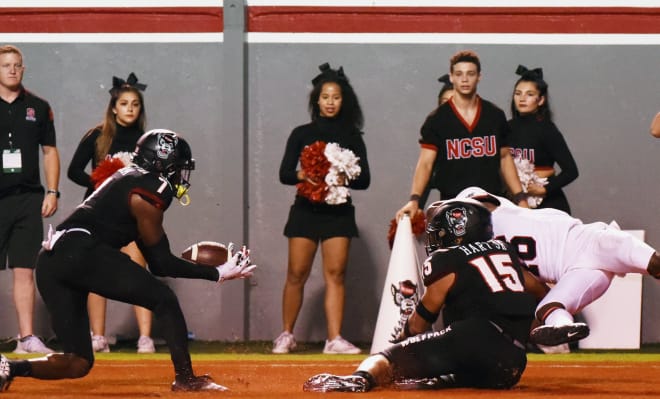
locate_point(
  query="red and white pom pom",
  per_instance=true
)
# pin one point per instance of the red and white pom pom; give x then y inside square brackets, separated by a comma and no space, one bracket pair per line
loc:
[109,166]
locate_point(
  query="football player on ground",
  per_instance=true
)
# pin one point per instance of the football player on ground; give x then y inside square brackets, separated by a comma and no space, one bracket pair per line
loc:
[83,256]
[579,259]
[479,284]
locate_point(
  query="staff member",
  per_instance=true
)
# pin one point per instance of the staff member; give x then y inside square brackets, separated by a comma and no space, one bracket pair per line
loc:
[26,123]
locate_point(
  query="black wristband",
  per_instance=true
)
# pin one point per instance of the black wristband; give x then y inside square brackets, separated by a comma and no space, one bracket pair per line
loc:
[425,313]
[57,193]
[415,197]
[521,196]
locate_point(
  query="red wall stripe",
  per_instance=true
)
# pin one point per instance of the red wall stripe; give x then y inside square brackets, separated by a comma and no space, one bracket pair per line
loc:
[453,20]
[583,20]
[111,20]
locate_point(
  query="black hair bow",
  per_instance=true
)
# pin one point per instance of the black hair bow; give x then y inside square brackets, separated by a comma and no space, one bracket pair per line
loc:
[536,73]
[444,79]
[328,73]
[131,81]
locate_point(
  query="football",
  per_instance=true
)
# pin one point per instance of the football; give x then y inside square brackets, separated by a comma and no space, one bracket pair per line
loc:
[208,253]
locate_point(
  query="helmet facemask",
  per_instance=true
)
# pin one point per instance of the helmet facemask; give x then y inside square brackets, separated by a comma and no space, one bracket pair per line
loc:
[164,152]
[179,178]
[452,223]
[433,239]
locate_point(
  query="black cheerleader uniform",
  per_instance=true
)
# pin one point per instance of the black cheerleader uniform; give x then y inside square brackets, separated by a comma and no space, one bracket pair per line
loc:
[539,141]
[124,141]
[319,221]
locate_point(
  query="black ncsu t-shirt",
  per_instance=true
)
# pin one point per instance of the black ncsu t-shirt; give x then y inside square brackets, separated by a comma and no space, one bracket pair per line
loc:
[107,214]
[488,285]
[467,155]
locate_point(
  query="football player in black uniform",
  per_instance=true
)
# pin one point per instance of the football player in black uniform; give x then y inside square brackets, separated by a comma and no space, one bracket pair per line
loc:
[83,256]
[479,283]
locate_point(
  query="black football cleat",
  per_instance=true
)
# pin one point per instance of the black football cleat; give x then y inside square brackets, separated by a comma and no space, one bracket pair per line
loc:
[417,384]
[5,377]
[196,384]
[557,335]
[336,383]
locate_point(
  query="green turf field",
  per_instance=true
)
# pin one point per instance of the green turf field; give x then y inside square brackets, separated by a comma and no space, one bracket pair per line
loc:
[260,350]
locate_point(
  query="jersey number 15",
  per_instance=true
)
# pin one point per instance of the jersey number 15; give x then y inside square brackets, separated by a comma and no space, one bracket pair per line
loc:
[498,272]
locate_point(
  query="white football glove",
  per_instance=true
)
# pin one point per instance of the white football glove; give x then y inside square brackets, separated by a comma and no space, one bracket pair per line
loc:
[237,265]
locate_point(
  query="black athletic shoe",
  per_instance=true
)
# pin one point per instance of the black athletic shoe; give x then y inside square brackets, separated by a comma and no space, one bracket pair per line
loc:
[5,379]
[336,383]
[557,335]
[201,383]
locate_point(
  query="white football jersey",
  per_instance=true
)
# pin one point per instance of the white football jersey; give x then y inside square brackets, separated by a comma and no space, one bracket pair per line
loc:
[539,235]
[552,242]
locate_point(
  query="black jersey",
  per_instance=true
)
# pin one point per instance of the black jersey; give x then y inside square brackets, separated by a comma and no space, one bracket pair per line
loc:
[488,285]
[540,142]
[106,213]
[467,155]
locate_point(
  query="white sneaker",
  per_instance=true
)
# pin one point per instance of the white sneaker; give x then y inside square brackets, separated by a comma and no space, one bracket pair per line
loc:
[340,346]
[145,345]
[285,343]
[100,344]
[31,344]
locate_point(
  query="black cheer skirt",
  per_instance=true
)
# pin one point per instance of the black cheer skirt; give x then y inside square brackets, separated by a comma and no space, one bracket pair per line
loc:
[320,221]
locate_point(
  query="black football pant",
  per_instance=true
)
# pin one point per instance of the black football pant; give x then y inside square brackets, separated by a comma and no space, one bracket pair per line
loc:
[79,265]
[473,351]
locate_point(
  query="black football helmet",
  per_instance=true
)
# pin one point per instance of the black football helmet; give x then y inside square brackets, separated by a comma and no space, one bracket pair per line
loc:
[451,223]
[164,152]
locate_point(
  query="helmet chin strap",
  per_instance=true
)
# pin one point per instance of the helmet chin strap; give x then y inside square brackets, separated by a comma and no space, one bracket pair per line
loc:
[182,194]
[184,200]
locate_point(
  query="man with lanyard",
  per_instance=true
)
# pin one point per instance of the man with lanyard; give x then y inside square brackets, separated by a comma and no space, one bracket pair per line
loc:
[26,122]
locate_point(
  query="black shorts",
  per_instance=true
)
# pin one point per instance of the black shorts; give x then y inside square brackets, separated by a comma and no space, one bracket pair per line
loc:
[21,229]
[320,221]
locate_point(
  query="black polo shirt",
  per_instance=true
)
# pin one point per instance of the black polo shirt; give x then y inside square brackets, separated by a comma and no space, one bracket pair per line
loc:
[29,121]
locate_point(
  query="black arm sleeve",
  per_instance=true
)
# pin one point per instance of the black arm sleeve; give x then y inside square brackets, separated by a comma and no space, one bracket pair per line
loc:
[559,149]
[81,157]
[163,263]
[288,173]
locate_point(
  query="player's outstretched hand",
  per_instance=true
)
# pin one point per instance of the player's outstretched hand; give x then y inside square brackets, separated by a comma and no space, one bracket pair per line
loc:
[237,265]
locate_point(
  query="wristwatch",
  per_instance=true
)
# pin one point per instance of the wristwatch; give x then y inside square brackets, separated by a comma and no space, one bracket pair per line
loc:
[57,193]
